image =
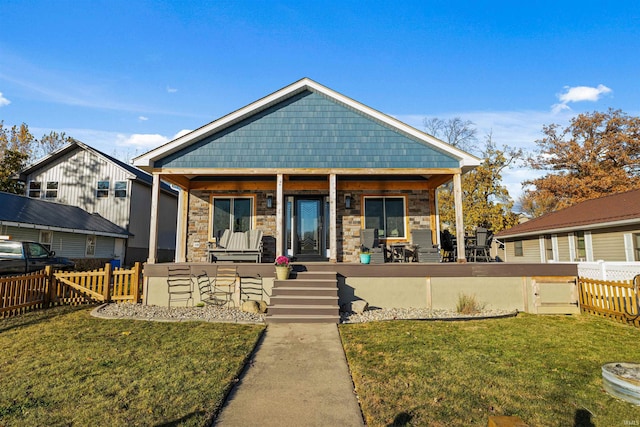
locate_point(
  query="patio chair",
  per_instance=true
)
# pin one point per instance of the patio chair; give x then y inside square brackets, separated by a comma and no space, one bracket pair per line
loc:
[369,242]
[180,284]
[481,250]
[448,246]
[225,284]
[424,250]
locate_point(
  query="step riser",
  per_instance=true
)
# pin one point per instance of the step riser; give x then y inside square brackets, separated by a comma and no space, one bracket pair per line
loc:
[307,275]
[298,320]
[315,311]
[277,292]
[300,283]
[303,300]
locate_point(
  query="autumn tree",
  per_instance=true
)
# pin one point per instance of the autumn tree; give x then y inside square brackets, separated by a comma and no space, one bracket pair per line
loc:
[597,154]
[485,201]
[18,146]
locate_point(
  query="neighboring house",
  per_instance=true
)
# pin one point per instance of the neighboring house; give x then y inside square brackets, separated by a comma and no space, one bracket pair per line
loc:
[607,228]
[68,230]
[81,176]
[310,168]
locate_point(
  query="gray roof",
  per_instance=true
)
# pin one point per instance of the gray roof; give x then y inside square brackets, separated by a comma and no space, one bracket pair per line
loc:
[42,214]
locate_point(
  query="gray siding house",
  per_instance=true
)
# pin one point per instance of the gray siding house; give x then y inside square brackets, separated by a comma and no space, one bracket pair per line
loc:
[79,175]
[607,229]
[68,230]
[310,168]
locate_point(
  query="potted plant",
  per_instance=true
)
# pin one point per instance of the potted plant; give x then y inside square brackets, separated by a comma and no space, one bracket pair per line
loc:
[365,256]
[282,267]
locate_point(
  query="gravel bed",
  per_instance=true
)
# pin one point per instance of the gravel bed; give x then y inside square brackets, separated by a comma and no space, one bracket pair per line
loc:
[373,314]
[208,313]
[218,314]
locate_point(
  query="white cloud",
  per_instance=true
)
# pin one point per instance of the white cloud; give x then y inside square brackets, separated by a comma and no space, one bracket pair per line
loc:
[171,89]
[579,94]
[182,133]
[3,101]
[143,118]
[141,140]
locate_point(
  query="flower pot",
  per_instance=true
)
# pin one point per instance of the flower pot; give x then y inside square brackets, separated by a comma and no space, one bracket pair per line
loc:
[365,258]
[282,273]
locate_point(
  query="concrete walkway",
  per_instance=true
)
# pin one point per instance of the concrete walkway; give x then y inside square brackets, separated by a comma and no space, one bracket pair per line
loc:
[298,377]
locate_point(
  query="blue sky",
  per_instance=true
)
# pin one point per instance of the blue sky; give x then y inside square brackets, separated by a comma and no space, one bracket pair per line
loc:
[126,76]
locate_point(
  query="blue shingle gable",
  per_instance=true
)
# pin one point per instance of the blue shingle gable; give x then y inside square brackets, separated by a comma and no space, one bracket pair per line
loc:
[309,130]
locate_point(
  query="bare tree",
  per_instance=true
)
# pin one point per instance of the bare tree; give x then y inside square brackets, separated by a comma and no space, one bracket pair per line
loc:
[459,133]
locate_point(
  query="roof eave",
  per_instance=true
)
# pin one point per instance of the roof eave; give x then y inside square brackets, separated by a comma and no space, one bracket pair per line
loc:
[567,229]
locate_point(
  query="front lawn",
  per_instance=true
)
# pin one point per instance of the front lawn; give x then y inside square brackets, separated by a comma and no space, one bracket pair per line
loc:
[63,367]
[545,369]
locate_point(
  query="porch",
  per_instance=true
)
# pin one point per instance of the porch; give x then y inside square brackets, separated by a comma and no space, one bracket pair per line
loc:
[531,288]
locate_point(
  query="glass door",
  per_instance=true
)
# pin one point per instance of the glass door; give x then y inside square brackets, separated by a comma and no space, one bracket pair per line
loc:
[308,225]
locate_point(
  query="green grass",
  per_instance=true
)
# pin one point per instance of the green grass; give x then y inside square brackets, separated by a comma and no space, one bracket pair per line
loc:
[63,367]
[545,369]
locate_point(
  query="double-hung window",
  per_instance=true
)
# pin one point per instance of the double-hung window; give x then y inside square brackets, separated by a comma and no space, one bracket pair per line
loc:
[387,214]
[120,189]
[52,190]
[231,213]
[103,189]
[46,238]
[581,247]
[35,188]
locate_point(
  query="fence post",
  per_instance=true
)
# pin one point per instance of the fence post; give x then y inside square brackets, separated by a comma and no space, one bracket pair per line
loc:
[106,291]
[135,282]
[50,286]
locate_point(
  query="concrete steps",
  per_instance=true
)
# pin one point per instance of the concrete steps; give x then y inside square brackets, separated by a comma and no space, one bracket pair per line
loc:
[305,298]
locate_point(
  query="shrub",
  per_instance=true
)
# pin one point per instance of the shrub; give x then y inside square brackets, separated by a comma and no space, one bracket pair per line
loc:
[468,304]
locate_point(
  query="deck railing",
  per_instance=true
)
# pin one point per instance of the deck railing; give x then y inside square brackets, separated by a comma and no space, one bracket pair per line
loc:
[47,288]
[615,300]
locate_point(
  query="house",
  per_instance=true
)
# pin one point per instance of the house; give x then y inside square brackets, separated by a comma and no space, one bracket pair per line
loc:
[79,175]
[606,228]
[68,230]
[309,167]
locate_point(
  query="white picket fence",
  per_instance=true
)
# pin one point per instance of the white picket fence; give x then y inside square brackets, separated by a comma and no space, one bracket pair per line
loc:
[612,271]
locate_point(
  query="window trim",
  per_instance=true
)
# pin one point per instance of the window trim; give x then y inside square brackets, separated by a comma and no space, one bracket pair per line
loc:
[42,241]
[31,190]
[212,197]
[104,190]
[518,248]
[48,190]
[116,189]
[405,208]
[90,246]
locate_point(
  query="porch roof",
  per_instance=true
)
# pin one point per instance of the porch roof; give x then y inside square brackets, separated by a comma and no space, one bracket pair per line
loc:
[306,128]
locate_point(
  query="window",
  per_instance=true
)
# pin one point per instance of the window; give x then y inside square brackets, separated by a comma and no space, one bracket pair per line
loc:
[91,246]
[103,189]
[581,248]
[35,188]
[517,248]
[52,190]
[120,189]
[232,213]
[548,248]
[36,250]
[386,214]
[636,246]
[46,238]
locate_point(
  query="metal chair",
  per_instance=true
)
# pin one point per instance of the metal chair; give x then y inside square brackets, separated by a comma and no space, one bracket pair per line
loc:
[225,284]
[448,246]
[482,247]
[180,284]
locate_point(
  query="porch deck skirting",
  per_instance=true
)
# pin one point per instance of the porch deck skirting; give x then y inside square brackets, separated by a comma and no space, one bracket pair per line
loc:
[531,288]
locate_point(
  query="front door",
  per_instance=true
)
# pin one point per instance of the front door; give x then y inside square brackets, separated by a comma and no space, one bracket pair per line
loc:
[308,219]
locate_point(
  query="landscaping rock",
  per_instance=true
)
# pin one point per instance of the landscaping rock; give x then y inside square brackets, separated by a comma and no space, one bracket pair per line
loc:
[262,307]
[359,306]
[250,307]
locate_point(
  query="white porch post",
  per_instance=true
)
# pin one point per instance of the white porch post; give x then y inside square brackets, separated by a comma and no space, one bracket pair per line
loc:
[181,226]
[153,223]
[457,201]
[280,215]
[333,215]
